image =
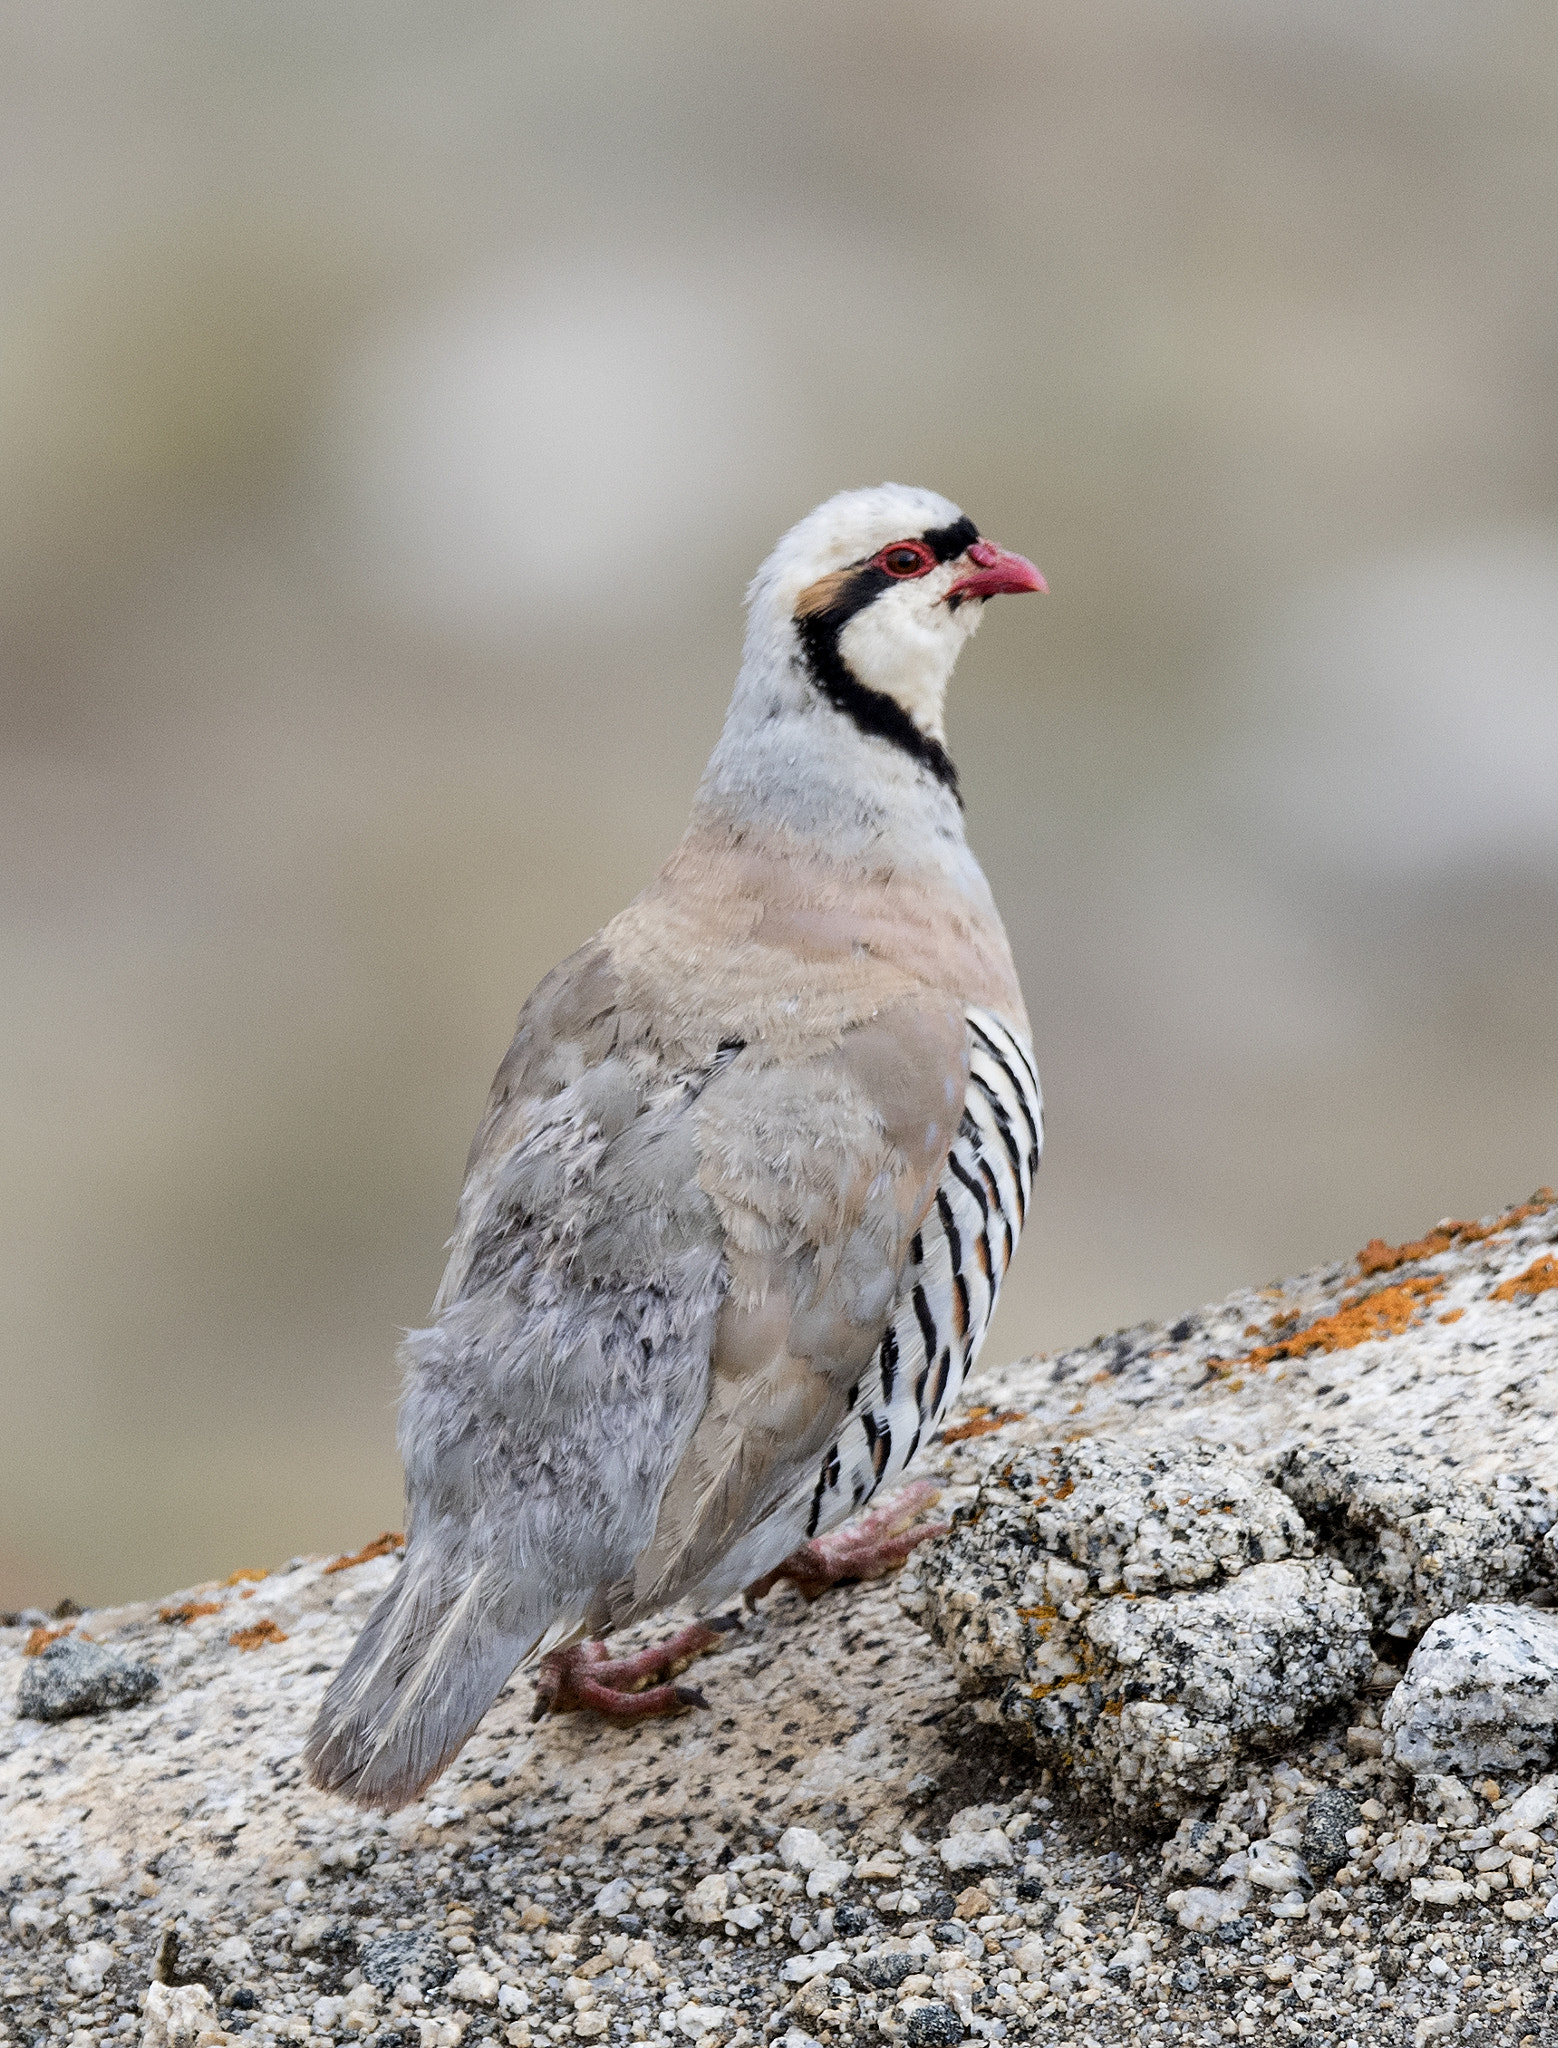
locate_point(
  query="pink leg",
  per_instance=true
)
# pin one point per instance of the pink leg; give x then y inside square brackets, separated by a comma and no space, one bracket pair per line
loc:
[866,1550]
[585,1679]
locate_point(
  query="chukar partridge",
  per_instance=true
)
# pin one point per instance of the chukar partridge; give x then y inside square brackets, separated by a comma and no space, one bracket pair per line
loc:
[747,1183]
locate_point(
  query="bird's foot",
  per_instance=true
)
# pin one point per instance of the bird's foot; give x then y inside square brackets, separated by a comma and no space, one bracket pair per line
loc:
[866,1550]
[585,1679]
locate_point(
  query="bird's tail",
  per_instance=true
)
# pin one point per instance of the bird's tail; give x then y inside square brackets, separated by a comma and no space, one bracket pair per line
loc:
[433,1656]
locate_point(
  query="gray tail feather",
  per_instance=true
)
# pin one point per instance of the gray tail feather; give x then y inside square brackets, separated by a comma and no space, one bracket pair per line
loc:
[430,1661]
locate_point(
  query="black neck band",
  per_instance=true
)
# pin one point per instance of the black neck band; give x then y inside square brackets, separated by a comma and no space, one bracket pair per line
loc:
[873,711]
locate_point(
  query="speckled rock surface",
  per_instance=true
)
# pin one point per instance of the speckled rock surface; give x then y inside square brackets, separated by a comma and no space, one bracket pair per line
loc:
[1480,1695]
[555,1885]
[1144,1620]
[1421,1540]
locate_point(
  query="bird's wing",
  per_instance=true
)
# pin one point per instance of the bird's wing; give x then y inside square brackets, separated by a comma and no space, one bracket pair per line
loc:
[547,1407]
[666,1274]
[821,1171]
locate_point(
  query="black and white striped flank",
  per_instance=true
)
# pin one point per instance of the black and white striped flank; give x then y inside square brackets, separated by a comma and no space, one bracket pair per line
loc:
[956,1265]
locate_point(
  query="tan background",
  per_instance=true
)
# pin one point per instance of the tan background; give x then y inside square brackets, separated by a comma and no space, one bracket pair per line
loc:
[393,402]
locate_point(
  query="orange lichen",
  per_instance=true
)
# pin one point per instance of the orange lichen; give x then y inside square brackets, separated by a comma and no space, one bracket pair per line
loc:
[1540,1277]
[381,1546]
[256,1635]
[250,1574]
[41,1638]
[1452,1315]
[981,1421]
[1383,1312]
[189,1610]
[1379,1257]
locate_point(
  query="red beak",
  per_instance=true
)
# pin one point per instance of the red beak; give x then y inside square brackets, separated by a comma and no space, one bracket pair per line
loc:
[997,572]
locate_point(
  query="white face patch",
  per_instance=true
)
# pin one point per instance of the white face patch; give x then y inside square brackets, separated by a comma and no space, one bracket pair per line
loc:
[906,642]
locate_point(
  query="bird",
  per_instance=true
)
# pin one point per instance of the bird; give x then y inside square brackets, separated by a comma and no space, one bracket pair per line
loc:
[747,1183]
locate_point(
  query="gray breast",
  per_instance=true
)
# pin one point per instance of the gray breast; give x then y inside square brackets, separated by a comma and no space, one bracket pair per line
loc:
[956,1265]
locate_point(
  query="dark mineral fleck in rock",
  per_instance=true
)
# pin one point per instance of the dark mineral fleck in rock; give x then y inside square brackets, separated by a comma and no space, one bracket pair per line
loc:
[76,1677]
[931,2026]
[850,1919]
[1324,1846]
[390,1960]
[886,1971]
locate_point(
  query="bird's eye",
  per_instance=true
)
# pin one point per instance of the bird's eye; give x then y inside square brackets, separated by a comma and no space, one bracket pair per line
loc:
[906,558]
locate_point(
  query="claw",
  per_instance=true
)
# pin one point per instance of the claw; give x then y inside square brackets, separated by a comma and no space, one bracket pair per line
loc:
[585,1678]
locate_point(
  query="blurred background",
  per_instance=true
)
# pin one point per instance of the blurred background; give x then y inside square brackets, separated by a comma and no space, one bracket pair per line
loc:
[394,400]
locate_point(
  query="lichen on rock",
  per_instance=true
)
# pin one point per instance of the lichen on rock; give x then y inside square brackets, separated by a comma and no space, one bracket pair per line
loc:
[1142,1619]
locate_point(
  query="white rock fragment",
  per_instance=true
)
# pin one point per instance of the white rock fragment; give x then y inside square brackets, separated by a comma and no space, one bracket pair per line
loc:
[804,1849]
[31,1919]
[822,1962]
[1400,1855]
[87,1966]
[989,1849]
[1276,1868]
[614,1898]
[705,1904]
[175,2014]
[472,1985]
[1435,2026]
[1533,1809]
[1480,1695]
[1134,1954]
[1440,1891]
[1200,1909]
[359,2010]
[1449,1798]
[697,2020]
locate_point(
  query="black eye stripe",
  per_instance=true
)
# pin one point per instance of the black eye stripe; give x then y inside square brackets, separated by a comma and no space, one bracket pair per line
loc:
[946,541]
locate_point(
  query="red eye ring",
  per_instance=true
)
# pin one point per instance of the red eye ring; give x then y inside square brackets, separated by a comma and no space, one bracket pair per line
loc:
[904,559]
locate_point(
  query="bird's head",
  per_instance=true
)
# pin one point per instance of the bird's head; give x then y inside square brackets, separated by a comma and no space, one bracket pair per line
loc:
[874,594]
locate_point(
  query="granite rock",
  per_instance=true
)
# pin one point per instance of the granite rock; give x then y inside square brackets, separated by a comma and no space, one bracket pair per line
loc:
[73,1676]
[1144,1620]
[1323,1845]
[1420,1540]
[1480,1696]
[559,1859]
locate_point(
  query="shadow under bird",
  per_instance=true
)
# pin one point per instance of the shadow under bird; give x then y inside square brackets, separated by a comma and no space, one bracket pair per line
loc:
[746,1187]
